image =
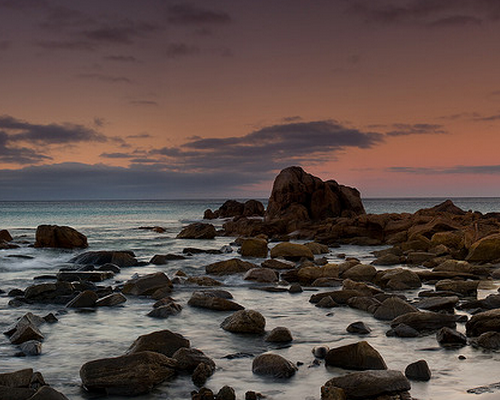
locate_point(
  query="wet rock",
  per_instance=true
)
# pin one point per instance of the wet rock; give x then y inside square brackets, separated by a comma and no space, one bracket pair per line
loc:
[226,393]
[63,237]
[213,302]
[165,311]
[203,281]
[418,371]
[485,249]
[160,259]
[229,267]
[360,272]
[128,375]
[419,257]
[245,321]
[193,250]
[425,321]
[279,334]
[254,247]
[91,276]
[147,284]
[273,365]
[121,258]
[31,347]
[320,351]
[5,236]
[397,279]
[326,302]
[197,230]
[392,308]
[263,275]
[359,328]
[111,300]
[88,298]
[364,288]
[360,356]
[365,303]
[317,248]
[201,373]
[276,264]
[488,340]
[25,333]
[203,394]
[291,251]
[295,288]
[164,342]
[482,322]
[17,379]
[389,259]
[438,303]
[403,330]
[367,385]
[309,273]
[339,296]
[189,358]
[464,288]
[48,393]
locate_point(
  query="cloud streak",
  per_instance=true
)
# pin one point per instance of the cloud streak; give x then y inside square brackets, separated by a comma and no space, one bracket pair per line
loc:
[416,129]
[188,14]
[455,170]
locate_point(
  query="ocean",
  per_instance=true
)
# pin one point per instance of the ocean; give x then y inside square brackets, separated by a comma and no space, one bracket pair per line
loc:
[108,332]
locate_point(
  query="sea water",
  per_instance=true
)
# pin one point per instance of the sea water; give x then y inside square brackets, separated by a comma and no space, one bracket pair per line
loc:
[108,332]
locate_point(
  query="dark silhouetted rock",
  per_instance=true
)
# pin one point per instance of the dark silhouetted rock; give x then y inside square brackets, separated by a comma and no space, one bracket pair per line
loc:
[211,301]
[485,249]
[359,328]
[111,300]
[279,334]
[448,337]
[393,307]
[488,340]
[5,236]
[273,365]
[359,356]
[297,195]
[147,285]
[62,237]
[188,359]
[229,267]
[87,298]
[48,393]
[226,393]
[482,322]
[425,321]
[263,275]
[160,259]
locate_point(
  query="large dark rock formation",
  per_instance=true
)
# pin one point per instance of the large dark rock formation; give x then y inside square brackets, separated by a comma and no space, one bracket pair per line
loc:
[301,196]
[63,237]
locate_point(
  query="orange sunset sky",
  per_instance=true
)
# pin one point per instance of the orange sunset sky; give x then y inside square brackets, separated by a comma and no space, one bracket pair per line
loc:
[159,99]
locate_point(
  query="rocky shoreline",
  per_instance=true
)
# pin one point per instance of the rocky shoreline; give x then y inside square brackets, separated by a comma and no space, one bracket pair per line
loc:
[455,251]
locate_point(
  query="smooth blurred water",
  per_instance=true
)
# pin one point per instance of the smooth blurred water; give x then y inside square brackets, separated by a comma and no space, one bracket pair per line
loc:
[108,332]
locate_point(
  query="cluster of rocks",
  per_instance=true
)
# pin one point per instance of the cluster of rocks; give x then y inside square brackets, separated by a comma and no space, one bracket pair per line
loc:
[6,240]
[26,333]
[236,209]
[26,384]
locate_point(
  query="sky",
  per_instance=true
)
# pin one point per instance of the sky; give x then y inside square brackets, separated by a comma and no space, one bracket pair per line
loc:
[160,99]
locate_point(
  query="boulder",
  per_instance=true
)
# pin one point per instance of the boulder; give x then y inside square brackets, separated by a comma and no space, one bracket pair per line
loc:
[62,237]
[298,195]
[359,328]
[203,281]
[464,288]
[25,333]
[189,358]
[197,230]
[162,259]
[127,375]
[448,337]
[166,310]
[446,303]
[253,208]
[393,307]
[488,340]
[31,348]
[279,334]
[111,300]
[360,356]
[360,272]
[164,342]
[147,285]
[253,247]
[5,236]
[245,321]
[229,267]
[201,373]
[485,249]
[482,322]
[367,385]
[87,298]
[276,264]
[291,251]
[397,279]
[102,257]
[226,393]
[403,330]
[273,365]
[425,321]
[263,275]
[16,379]
[90,276]
[418,371]
[317,248]
[213,302]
